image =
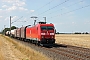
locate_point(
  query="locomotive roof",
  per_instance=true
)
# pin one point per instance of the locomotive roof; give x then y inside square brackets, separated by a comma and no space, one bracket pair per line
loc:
[45,24]
[42,22]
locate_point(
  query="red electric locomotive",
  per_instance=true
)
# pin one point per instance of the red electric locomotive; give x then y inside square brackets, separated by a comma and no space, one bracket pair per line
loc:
[41,33]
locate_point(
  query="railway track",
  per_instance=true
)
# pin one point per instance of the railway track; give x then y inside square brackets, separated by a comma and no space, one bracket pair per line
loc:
[79,48]
[62,52]
[73,52]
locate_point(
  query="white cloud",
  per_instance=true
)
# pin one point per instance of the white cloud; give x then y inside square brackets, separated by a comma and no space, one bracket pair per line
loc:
[73,22]
[19,4]
[64,8]
[4,6]
[7,18]
[1,16]
[32,10]
[11,5]
[11,8]
[14,2]
[87,22]
[2,12]
[14,17]
[10,1]
[22,8]
[81,2]
[0,9]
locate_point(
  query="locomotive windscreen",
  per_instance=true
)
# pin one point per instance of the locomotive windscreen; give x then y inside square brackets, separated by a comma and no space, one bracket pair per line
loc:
[47,28]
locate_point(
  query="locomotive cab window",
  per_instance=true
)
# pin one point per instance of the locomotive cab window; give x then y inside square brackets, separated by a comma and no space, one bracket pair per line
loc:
[47,28]
[50,28]
[43,28]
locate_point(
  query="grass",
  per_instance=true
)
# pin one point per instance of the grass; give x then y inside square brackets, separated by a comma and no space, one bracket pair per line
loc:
[30,53]
[81,40]
[1,56]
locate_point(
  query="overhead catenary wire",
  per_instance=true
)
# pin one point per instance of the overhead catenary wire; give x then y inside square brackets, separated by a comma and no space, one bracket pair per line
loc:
[67,7]
[42,6]
[45,5]
[36,10]
[53,7]
[46,10]
[17,19]
[70,11]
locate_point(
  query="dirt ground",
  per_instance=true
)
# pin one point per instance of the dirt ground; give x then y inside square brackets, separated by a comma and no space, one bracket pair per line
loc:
[9,52]
[80,40]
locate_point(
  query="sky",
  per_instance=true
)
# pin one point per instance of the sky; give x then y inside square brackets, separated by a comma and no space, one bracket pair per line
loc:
[66,15]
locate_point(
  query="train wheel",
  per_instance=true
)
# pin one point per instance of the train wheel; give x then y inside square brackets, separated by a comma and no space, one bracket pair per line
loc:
[38,43]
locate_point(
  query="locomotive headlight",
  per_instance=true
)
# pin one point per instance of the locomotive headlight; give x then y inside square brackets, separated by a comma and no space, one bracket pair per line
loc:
[51,33]
[42,33]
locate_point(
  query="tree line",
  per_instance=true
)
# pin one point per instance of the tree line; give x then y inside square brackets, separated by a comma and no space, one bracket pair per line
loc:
[7,29]
[74,33]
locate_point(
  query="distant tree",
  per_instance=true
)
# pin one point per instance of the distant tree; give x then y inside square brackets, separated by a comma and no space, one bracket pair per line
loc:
[13,27]
[8,29]
[86,33]
[77,33]
[57,33]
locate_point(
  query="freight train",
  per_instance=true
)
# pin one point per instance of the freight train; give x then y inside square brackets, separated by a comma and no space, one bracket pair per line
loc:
[40,34]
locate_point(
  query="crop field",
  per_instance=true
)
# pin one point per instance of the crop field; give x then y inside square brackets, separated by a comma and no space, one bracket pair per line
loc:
[80,40]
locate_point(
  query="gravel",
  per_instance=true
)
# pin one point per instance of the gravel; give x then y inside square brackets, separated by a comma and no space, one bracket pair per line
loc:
[50,54]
